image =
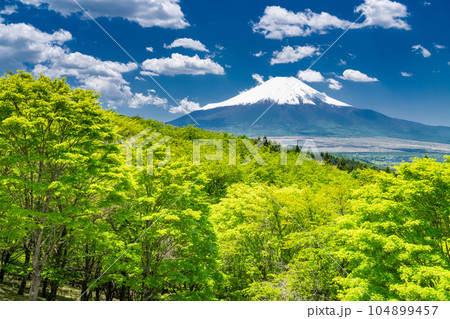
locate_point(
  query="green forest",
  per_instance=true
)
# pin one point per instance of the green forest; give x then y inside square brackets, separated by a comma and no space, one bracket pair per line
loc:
[77,222]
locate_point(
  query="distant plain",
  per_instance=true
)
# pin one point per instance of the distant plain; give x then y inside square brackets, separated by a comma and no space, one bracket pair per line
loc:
[380,151]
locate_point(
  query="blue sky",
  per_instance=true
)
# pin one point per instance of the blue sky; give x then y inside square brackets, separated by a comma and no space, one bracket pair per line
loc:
[395,59]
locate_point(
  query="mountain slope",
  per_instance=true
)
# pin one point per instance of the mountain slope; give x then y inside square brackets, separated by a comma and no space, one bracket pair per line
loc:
[281,91]
[304,111]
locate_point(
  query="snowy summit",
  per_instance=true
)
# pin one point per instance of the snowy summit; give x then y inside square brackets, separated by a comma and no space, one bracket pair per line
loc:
[281,91]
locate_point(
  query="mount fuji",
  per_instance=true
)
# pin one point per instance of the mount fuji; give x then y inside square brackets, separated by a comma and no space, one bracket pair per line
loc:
[289,107]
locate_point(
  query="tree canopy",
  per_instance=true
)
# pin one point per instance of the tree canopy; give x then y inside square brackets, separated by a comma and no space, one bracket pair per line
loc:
[78,222]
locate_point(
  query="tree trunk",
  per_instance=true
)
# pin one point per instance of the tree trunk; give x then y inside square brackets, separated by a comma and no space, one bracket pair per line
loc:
[84,287]
[54,285]
[37,267]
[109,291]
[147,293]
[23,283]
[59,263]
[123,288]
[122,293]
[35,283]
[44,288]
[5,260]
[146,261]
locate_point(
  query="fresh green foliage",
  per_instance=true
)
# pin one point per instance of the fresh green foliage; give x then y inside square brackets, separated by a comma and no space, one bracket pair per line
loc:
[77,222]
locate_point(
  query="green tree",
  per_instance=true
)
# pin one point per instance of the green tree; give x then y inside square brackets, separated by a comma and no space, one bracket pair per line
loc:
[396,245]
[327,158]
[260,243]
[342,164]
[58,160]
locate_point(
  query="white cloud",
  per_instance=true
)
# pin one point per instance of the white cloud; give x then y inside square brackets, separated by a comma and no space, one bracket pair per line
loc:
[334,85]
[24,44]
[384,13]
[148,73]
[150,49]
[258,78]
[342,62]
[279,23]
[7,10]
[310,76]
[290,55]
[439,46]
[185,107]
[317,77]
[219,47]
[148,13]
[105,77]
[182,64]
[187,44]
[356,76]
[421,50]
[426,4]
[138,100]
[259,54]
[406,74]
[80,65]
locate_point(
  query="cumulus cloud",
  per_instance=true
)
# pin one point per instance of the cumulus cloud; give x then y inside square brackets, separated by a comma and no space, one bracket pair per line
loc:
[105,77]
[406,74]
[23,44]
[182,64]
[150,49]
[384,13]
[187,44]
[185,107]
[356,76]
[317,77]
[139,99]
[279,23]
[258,78]
[310,76]
[80,65]
[147,13]
[439,46]
[421,50]
[8,10]
[334,84]
[290,55]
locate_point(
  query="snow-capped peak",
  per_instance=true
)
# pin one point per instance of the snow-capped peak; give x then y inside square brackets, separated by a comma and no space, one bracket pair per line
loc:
[279,90]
